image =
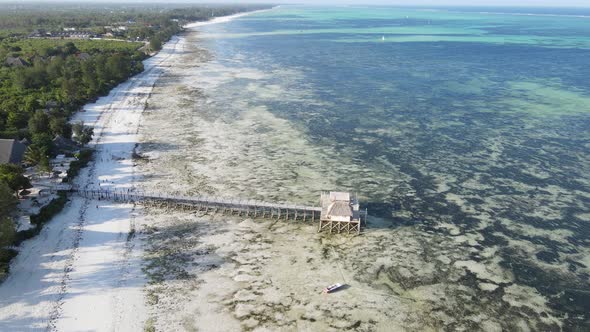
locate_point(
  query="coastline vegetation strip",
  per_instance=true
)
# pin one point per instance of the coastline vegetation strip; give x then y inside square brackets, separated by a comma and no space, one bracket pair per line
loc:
[95,16]
[43,85]
[57,204]
[44,215]
[59,75]
[82,159]
[44,81]
[47,212]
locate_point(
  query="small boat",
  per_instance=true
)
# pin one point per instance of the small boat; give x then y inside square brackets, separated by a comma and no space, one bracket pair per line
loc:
[382,37]
[332,288]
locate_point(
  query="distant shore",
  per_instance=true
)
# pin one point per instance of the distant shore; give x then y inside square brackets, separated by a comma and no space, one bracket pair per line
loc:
[224,19]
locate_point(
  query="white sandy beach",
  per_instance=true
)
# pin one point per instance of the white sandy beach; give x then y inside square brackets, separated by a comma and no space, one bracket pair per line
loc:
[83,272]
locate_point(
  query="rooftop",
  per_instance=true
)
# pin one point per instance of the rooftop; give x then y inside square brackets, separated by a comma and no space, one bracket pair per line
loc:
[340,206]
[11,151]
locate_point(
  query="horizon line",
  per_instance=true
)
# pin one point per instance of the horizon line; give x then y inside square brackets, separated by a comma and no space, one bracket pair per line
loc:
[270,3]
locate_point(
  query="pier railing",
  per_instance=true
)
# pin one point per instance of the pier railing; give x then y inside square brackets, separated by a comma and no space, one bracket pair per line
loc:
[249,208]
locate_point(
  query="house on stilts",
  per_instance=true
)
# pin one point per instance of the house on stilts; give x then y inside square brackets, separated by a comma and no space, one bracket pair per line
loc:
[340,212]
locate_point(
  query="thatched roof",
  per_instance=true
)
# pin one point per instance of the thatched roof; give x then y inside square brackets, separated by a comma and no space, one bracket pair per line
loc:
[11,151]
[340,209]
[16,62]
[64,144]
[336,204]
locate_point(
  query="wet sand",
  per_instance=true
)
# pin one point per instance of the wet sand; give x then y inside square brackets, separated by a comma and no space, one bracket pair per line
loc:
[219,273]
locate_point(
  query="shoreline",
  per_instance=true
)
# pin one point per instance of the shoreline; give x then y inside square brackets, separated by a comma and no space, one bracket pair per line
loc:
[89,255]
[224,19]
[211,127]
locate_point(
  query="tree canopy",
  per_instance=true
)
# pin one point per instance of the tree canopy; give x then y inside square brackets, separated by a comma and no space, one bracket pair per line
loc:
[8,201]
[13,176]
[29,16]
[40,98]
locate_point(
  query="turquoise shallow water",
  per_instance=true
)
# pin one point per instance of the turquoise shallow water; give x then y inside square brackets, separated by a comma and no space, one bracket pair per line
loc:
[482,116]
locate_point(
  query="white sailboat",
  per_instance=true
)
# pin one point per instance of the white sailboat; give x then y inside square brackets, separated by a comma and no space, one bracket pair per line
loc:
[382,38]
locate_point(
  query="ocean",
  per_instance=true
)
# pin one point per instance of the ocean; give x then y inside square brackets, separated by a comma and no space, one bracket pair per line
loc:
[464,131]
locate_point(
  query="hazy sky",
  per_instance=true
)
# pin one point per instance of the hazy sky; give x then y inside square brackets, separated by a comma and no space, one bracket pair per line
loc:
[523,3]
[545,3]
[528,3]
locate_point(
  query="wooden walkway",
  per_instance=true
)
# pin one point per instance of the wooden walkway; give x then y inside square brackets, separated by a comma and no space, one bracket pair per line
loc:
[244,208]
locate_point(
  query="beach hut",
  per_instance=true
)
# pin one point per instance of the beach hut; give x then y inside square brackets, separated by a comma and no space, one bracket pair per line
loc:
[16,62]
[340,212]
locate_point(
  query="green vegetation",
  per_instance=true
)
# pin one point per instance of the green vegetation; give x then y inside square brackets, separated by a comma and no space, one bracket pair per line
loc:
[6,254]
[8,203]
[153,23]
[82,134]
[38,220]
[26,17]
[13,177]
[49,47]
[48,211]
[39,97]
[83,158]
[45,79]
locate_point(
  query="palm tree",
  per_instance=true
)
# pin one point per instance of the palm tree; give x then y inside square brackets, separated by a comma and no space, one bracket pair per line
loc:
[34,154]
[44,164]
[37,156]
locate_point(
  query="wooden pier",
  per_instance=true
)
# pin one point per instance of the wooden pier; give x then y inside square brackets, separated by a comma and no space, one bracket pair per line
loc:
[242,208]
